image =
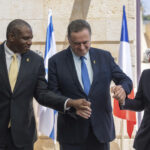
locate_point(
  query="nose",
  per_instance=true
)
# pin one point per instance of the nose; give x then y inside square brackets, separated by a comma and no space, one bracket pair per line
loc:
[82,46]
[29,42]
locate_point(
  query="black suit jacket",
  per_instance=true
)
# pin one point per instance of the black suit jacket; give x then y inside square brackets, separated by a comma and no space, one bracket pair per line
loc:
[142,102]
[63,80]
[18,106]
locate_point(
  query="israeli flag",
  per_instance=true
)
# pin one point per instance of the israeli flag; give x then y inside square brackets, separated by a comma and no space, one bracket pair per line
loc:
[47,116]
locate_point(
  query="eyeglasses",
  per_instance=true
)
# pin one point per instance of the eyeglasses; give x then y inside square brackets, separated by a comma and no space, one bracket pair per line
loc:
[79,43]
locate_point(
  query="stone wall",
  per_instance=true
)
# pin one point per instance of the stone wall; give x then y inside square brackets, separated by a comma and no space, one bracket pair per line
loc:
[105,17]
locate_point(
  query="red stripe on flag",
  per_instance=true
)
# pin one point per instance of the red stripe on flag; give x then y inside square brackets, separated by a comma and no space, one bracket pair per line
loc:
[130,116]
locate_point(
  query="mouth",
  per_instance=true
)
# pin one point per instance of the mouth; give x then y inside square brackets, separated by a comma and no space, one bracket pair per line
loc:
[27,47]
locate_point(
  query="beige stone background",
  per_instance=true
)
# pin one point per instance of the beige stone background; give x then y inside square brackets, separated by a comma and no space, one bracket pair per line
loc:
[105,17]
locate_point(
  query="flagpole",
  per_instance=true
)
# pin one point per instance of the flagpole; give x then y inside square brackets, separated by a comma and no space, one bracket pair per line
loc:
[122,134]
[138,47]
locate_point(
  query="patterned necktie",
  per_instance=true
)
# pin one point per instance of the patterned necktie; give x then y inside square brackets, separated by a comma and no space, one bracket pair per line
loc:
[85,76]
[13,72]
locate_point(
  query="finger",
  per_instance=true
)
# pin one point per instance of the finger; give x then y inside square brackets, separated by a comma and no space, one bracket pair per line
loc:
[83,114]
[121,94]
[117,88]
[87,112]
[87,103]
[119,97]
[86,108]
[112,89]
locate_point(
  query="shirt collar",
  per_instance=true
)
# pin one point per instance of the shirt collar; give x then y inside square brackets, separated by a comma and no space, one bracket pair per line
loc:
[9,52]
[78,57]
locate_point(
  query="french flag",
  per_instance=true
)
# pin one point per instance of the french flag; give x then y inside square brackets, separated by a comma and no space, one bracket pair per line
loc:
[125,64]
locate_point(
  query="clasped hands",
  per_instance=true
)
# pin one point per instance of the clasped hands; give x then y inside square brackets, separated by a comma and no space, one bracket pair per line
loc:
[119,93]
[83,107]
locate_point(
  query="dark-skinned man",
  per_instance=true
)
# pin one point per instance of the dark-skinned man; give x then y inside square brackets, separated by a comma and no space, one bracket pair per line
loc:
[22,77]
[83,71]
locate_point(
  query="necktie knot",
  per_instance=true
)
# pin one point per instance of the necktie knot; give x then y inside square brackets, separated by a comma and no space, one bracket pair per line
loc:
[14,57]
[82,58]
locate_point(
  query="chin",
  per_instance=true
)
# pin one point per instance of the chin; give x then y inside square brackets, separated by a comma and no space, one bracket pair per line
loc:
[24,51]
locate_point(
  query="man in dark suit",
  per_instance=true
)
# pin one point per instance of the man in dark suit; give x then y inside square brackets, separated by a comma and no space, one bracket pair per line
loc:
[81,71]
[140,103]
[22,77]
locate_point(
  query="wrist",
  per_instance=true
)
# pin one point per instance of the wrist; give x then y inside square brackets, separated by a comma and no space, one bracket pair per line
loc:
[70,103]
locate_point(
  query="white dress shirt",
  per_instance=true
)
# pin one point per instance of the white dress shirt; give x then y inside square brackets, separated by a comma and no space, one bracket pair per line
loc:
[9,53]
[77,62]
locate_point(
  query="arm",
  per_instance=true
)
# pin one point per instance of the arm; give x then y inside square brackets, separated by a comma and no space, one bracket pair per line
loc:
[43,95]
[80,107]
[138,104]
[119,77]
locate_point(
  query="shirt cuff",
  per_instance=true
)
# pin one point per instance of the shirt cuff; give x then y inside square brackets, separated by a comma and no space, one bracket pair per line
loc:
[65,105]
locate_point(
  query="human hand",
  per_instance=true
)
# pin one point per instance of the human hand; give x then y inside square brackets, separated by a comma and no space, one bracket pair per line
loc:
[119,94]
[82,107]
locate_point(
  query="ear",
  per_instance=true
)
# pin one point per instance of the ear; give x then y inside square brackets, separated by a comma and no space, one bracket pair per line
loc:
[11,37]
[69,40]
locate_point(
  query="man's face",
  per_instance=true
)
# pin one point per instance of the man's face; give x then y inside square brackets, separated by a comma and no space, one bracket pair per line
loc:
[80,42]
[22,40]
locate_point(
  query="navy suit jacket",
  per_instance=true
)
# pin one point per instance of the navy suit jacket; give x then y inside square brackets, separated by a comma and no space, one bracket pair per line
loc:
[63,80]
[142,102]
[18,105]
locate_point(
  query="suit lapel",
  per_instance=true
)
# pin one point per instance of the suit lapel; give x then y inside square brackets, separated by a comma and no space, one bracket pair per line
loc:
[71,67]
[25,62]
[94,67]
[3,68]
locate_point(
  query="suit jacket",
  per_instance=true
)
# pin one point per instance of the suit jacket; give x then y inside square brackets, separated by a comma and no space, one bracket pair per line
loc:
[64,81]
[18,106]
[142,102]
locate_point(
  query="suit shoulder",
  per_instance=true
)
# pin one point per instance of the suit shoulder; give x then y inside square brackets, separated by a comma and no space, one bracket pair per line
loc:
[101,52]
[59,55]
[146,72]
[35,55]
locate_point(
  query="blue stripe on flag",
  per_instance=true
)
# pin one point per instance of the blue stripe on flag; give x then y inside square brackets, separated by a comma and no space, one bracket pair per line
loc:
[48,46]
[52,134]
[49,36]
[124,30]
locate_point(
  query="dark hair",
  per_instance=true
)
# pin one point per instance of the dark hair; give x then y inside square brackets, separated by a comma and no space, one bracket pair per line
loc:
[15,25]
[78,25]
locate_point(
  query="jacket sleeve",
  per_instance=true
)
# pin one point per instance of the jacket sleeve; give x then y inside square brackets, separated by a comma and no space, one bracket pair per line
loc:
[119,77]
[43,95]
[137,104]
[54,85]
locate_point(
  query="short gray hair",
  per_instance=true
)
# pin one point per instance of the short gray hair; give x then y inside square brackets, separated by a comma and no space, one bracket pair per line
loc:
[78,25]
[15,25]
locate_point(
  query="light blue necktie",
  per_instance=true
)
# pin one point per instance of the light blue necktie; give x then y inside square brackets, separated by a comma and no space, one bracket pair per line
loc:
[85,76]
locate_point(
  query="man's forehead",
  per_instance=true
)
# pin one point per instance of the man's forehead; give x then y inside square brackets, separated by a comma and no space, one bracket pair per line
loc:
[23,29]
[84,30]
[80,35]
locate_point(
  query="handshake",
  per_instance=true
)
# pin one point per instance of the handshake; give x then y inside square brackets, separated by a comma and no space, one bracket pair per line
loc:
[119,94]
[82,106]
